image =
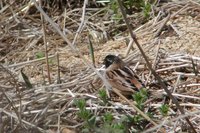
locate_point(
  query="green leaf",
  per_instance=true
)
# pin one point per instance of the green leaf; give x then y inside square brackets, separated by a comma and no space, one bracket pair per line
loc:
[84,114]
[26,80]
[80,103]
[140,97]
[40,54]
[91,50]
[164,109]
[146,9]
[108,117]
[103,96]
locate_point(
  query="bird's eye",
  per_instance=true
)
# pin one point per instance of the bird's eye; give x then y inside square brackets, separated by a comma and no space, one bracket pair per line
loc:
[110,60]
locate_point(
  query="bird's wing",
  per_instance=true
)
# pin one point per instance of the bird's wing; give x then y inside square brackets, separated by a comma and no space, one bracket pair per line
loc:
[124,79]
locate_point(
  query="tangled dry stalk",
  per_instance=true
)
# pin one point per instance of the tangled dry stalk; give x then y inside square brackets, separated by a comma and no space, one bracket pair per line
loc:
[170,41]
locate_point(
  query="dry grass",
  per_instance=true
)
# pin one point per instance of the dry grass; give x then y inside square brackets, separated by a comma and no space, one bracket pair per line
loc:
[172,45]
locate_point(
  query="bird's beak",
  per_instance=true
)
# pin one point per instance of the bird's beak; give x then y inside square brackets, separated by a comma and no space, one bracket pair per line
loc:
[103,68]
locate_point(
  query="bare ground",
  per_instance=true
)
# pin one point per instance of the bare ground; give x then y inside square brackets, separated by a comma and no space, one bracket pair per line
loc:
[49,107]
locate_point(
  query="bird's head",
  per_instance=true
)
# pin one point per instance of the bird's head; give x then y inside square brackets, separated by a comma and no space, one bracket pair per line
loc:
[111,59]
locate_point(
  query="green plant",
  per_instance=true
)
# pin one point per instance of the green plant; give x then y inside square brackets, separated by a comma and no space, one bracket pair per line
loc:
[111,126]
[116,12]
[130,6]
[108,118]
[40,54]
[51,61]
[137,119]
[107,123]
[26,80]
[140,97]
[146,8]
[91,50]
[85,115]
[137,122]
[103,96]
[164,109]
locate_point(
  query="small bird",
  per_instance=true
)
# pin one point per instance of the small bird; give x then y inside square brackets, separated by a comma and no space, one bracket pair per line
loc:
[120,76]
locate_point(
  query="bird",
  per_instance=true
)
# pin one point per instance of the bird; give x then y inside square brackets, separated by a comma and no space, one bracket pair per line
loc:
[120,76]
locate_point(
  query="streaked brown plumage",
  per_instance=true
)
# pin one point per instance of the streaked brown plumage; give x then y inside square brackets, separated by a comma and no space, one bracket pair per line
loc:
[120,76]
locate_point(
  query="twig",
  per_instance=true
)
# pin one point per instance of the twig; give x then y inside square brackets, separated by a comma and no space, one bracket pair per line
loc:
[28,62]
[1,122]
[25,122]
[70,44]
[11,104]
[151,69]
[170,121]
[185,74]
[155,62]
[45,43]
[70,92]
[58,67]
[131,104]
[22,10]
[130,45]
[82,22]
[18,113]
[172,67]
[161,27]
[175,86]
[58,128]
[175,29]
[184,96]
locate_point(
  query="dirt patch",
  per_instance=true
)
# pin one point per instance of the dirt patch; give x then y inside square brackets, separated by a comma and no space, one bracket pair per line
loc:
[173,49]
